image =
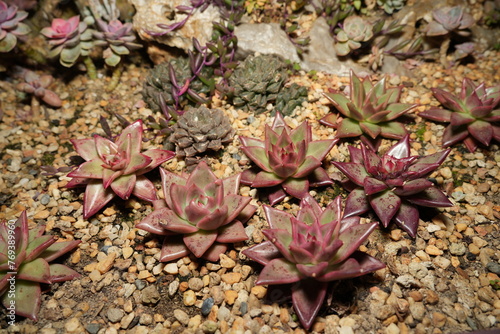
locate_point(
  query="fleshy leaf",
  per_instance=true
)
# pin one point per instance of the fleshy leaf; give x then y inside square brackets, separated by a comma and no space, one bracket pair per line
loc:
[307,297]
[278,271]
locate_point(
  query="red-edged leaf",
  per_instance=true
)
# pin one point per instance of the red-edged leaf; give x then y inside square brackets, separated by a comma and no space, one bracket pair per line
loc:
[307,298]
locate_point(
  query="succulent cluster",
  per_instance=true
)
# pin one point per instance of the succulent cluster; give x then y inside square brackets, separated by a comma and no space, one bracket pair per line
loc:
[11,26]
[24,264]
[69,39]
[257,81]
[392,185]
[369,112]
[310,250]
[115,168]
[354,31]
[473,114]
[201,214]
[290,161]
[390,6]
[201,129]
[290,98]
[173,85]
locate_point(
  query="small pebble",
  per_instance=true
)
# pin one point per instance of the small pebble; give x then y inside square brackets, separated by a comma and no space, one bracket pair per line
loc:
[207,305]
[115,314]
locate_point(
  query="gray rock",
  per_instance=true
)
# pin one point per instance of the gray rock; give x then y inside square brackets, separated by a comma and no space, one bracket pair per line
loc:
[321,55]
[417,310]
[93,328]
[195,284]
[407,281]
[494,267]
[140,284]
[418,269]
[256,38]
[172,287]
[115,314]
[209,326]
[207,305]
[150,295]
[223,314]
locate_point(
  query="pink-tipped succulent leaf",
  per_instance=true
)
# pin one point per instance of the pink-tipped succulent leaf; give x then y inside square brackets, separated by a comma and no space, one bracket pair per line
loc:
[473,115]
[202,214]
[289,160]
[310,250]
[11,26]
[392,185]
[24,264]
[115,167]
[369,112]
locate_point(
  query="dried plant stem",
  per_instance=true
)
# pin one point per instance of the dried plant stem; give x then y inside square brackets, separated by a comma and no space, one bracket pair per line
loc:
[35,108]
[115,78]
[91,70]
[443,49]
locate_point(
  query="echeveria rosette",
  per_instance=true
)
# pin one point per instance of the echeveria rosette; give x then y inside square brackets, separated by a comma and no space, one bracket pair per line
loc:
[115,168]
[11,26]
[393,185]
[473,115]
[201,214]
[310,250]
[369,112]
[118,37]
[450,19]
[68,39]
[33,252]
[289,159]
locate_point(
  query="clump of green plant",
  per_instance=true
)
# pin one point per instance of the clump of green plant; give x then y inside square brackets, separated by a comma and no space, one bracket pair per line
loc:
[369,112]
[390,6]
[25,257]
[11,27]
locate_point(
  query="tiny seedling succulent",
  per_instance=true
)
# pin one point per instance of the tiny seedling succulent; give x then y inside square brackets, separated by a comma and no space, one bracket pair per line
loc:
[38,86]
[311,250]
[69,39]
[355,30]
[390,6]
[288,158]
[473,115]
[115,168]
[393,185]
[24,264]
[11,26]
[201,214]
[369,112]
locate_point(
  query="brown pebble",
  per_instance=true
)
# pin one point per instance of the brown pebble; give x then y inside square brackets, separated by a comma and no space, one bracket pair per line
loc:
[433,250]
[231,278]
[431,297]
[416,295]
[42,214]
[438,319]
[183,286]
[259,291]
[230,296]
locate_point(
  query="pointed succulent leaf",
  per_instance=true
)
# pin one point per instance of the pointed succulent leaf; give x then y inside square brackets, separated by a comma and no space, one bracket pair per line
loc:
[266,179]
[435,114]
[262,253]
[27,299]
[278,219]
[297,188]
[407,218]
[173,248]
[96,197]
[356,203]
[307,298]
[432,197]
[481,131]
[351,239]
[61,273]
[230,233]
[199,242]
[278,271]
[385,205]
[349,128]
[36,271]
[354,171]
[57,249]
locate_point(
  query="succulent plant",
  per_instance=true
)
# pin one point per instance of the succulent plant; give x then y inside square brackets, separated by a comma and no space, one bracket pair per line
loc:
[201,129]
[24,264]
[290,160]
[117,37]
[161,86]
[390,6]
[449,19]
[473,115]
[355,30]
[69,39]
[393,185]
[38,86]
[369,112]
[311,250]
[257,82]
[11,26]
[290,98]
[200,215]
[115,168]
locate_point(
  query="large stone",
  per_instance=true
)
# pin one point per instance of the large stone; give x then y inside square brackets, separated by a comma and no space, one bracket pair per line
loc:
[150,13]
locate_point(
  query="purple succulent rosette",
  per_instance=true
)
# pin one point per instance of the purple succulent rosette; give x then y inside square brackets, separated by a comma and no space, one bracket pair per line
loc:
[201,214]
[33,252]
[473,115]
[448,19]
[38,86]
[369,111]
[310,250]
[115,168]
[11,26]
[393,185]
[288,158]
